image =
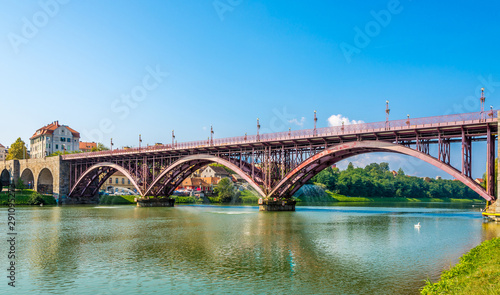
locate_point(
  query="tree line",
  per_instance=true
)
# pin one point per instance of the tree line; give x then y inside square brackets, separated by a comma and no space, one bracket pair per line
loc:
[377,180]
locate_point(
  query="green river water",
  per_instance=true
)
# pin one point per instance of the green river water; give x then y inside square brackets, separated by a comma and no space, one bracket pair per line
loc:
[337,249]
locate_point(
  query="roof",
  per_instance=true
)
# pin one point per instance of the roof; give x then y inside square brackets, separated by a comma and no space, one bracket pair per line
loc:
[49,129]
[219,170]
[1,146]
[87,145]
[194,181]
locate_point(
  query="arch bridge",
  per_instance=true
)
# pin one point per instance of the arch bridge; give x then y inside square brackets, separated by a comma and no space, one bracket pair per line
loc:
[278,164]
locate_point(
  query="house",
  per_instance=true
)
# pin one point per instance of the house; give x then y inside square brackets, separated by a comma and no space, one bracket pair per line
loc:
[479,180]
[118,183]
[87,146]
[215,171]
[3,152]
[195,183]
[52,138]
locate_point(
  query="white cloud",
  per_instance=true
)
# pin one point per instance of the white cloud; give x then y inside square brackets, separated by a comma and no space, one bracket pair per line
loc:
[297,122]
[204,128]
[336,120]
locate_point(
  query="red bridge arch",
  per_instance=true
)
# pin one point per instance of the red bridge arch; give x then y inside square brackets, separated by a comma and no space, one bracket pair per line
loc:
[315,164]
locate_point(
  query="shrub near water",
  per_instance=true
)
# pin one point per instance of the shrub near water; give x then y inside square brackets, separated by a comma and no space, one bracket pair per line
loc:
[477,273]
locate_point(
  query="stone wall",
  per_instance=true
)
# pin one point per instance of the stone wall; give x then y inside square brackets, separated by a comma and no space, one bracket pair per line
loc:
[57,168]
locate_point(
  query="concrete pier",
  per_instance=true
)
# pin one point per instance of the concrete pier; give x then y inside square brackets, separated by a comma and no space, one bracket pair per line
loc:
[154,202]
[278,205]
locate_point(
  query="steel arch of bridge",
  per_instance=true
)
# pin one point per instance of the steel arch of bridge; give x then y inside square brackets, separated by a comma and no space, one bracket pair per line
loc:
[315,164]
[173,176]
[88,184]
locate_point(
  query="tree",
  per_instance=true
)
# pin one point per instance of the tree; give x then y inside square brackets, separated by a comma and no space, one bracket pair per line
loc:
[100,147]
[401,172]
[226,190]
[17,151]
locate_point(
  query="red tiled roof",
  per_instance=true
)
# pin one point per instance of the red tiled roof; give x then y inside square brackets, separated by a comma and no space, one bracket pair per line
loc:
[49,129]
[1,145]
[87,145]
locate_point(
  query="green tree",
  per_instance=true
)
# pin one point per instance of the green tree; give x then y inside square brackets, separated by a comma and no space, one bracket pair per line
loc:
[226,190]
[99,147]
[17,151]
[20,184]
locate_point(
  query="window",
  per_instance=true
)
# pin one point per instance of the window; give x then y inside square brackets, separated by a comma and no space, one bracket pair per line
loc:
[129,181]
[116,181]
[57,146]
[63,139]
[110,180]
[123,180]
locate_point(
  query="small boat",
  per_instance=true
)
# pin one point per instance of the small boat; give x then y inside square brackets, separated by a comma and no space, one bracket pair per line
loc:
[417,225]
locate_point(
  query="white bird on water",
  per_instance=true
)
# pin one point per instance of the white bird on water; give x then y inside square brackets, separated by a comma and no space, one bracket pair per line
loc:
[417,225]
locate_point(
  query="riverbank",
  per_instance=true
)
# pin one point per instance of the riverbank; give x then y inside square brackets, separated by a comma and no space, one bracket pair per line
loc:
[27,197]
[476,273]
[247,197]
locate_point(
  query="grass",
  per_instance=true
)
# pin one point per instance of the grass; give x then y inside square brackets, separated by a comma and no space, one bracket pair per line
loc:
[117,200]
[342,198]
[478,272]
[23,197]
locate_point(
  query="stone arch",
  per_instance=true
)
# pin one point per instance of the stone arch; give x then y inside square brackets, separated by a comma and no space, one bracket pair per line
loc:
[315,164]
[183,167]
[45,182]
[28,178]
[5,177]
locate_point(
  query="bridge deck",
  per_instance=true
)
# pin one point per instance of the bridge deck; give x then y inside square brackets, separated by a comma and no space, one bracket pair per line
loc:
[427,128]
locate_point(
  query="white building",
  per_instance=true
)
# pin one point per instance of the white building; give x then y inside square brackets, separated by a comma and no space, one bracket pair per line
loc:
[52,138]
[3,153]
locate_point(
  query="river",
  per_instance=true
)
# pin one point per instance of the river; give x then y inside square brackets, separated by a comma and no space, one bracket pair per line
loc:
[195,249]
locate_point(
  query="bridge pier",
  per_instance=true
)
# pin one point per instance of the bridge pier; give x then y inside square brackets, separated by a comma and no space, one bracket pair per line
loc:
[155,202]
[276,205]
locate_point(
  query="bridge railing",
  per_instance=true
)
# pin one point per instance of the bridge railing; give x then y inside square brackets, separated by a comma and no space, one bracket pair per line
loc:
[409,123]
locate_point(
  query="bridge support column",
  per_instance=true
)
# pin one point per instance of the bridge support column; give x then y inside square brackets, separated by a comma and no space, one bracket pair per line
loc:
[276,205]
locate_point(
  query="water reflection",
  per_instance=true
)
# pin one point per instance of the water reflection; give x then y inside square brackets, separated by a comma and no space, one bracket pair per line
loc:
[208,249]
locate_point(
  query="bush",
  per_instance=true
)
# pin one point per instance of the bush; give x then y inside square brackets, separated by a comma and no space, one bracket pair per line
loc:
[36,199]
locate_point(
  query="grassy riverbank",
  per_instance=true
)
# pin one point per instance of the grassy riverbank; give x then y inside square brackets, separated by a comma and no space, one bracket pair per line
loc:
[27,197]
[329,196]
[477,272]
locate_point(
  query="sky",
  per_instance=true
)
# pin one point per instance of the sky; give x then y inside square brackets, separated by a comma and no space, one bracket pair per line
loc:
[117,69]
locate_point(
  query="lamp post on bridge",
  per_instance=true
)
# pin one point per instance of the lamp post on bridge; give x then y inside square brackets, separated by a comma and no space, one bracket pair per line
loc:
[387,111]
[258,128]
[491,112]
[315,120]
[173,138]
[482,98]
[140,140]
[211,135]
[111,144]
[408,120]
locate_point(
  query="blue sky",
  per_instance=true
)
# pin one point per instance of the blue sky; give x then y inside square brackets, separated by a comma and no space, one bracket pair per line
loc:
[231,61]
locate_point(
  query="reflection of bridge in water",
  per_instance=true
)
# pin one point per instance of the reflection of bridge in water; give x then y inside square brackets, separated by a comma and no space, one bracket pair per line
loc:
[276,165]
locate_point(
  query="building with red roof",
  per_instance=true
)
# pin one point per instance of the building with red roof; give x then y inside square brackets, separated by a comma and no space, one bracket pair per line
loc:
[52,138]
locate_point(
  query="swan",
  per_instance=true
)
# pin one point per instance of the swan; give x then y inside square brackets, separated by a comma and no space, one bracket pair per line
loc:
[417,225]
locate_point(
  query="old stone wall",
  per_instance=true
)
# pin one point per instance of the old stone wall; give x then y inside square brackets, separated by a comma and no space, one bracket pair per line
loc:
[41,169]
